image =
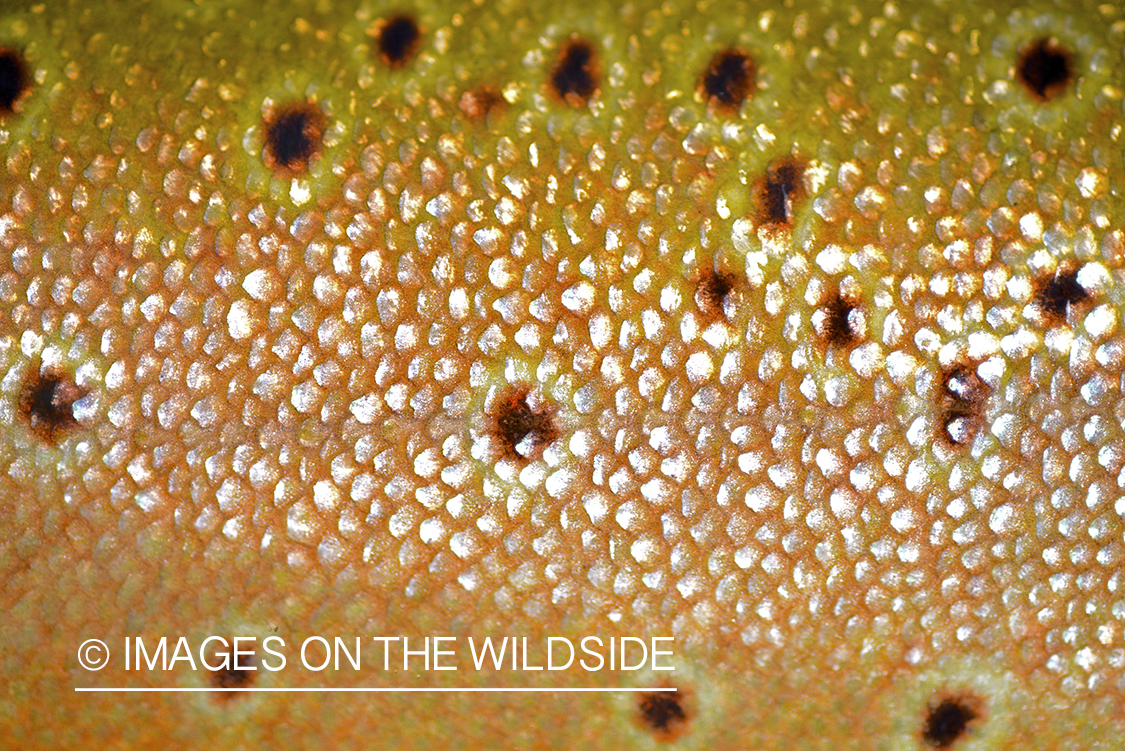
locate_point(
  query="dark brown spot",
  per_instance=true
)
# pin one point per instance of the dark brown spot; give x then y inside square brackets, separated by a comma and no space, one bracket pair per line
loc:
[714,288]
[963,384]
[949,720]
[1055,294]
[837,326]
[776,192]
[46,402]
[663,713]
[232,677]
[294,135]
[575,76]
[233,674]
[1046,69]
[478,103]
[14,80]
[729,79]
[960,425]
[398,41]
[523,432]
[963,396]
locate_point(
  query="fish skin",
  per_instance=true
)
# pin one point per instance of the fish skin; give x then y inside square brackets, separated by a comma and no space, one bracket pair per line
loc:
[293,379]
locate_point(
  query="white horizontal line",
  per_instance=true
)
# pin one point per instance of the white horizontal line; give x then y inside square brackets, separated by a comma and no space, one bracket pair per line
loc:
[376,690]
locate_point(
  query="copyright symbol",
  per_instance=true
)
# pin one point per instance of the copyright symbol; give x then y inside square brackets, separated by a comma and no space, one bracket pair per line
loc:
[93,654]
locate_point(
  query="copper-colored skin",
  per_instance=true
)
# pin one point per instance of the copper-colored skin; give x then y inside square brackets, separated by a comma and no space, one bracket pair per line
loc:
[863,462]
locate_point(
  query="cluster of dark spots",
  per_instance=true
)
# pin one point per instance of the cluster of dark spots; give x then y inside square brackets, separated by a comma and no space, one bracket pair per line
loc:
[663,713]
[1045,68]
[782,185]
[476,104]
[46,402]
[948,720]
[963,397]
[1055,294]
[397,41]
[14,79]
[574,78]
[713,290]
[836,326]
[729,79]
[522,432]
[294,134]
[232,674]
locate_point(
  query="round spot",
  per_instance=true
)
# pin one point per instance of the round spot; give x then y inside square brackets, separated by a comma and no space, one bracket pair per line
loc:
[663,713]
[1054,295]
[962,384]
[782,185]
[294,135]
[14,80]
[959,427]
[962,403]
[835,324]
[235,673]
[729,79]
[46,402]
[522,430]
[1046,69]
[398,41]
[957,703]
[574,77]
[949,720]
[713,290]
[231,677]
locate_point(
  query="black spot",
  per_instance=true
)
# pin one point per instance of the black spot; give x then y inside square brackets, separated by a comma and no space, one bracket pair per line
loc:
[1046,69]
[14,80]
[522,432]
[836,327]
[574,77]
[1055,294]
[729,79]
[46,402]
[783,184]
[398,41]
[663,713]
[294,135]
[948,721]
[713,290]
[963,396]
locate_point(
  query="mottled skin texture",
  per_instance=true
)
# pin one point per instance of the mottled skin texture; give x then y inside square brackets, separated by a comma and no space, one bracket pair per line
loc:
[833,374]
